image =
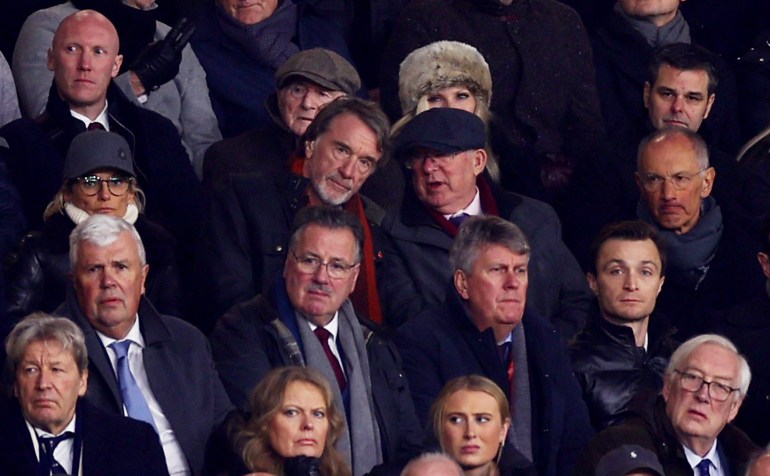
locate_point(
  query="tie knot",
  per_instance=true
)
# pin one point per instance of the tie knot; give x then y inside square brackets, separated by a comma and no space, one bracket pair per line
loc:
[95,126]
[704,467]
[51,442]
[121,348]
[322,333]
[458,220]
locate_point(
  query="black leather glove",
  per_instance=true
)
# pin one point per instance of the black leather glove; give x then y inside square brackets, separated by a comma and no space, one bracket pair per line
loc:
[302,466]
[159,62]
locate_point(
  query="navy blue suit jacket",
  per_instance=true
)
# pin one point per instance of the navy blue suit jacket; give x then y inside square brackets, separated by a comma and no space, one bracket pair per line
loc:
[113,445]
[442,343]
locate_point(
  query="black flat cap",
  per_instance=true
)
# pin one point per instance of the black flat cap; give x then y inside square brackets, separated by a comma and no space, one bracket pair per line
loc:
[444,130]
[627,458]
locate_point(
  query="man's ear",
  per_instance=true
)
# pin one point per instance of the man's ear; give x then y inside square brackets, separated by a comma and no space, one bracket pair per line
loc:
[592,283]
[309,148]
[49,60]
[646,94]
[764,263]
[709,175]
[479,161]
[461,284]
[709,104]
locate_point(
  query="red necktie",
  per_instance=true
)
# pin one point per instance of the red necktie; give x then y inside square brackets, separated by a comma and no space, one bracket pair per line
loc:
[323,336]
[95,126]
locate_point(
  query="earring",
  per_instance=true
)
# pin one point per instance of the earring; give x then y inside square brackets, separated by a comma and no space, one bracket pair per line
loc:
[499,453]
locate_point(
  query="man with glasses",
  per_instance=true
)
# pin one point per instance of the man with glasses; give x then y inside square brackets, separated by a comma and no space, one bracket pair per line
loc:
[444,150]
[709,253]
[246,230]
[305,318]
[688,426]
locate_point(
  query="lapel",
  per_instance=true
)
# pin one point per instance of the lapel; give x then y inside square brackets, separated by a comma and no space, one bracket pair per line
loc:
[16,452]
[155,357]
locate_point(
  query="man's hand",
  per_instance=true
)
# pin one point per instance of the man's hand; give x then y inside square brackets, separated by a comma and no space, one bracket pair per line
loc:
[159,62]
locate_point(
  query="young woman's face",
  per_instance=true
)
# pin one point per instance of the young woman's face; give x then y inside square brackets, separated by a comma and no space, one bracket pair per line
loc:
[457,97]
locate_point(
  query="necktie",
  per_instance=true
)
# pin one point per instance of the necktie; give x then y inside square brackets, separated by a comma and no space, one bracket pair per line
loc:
[704,467]
[48,444]
[95,126]
[458,220]
[133,399]
[323,337]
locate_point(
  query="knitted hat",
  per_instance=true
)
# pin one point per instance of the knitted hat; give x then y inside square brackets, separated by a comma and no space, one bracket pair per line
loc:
[323,67]
[438,66]
[92,150]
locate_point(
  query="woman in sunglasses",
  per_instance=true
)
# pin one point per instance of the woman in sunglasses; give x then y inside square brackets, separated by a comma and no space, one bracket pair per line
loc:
[99,177]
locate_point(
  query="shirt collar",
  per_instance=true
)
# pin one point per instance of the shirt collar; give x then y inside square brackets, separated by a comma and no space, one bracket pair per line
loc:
[333,326]
[101,118]
[134,335]
[712,455]
[473,208]
[40,432]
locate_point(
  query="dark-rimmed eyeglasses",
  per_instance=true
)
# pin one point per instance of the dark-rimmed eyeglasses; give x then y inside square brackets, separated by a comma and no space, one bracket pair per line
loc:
[310,264]
[693,383]
[92,184]
[680,181]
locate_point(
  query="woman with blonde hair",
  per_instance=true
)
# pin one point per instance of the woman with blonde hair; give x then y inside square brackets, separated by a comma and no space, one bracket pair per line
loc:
[99,178]
[446,74]
[471,419]
[293,426]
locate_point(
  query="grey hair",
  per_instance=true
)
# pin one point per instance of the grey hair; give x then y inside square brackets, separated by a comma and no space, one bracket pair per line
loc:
[665,133]
[434,457]
[103,230]
[687,348]
[332,218]
[485,230]
[42,327]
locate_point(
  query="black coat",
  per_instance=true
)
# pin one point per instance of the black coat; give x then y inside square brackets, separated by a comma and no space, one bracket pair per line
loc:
[246,347]
[611,369]
[747,325]
[113,445]
[39,274]
[442,343]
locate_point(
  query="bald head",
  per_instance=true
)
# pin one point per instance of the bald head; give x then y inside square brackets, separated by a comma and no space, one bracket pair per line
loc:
[433,464]
[760,467]
[84,58]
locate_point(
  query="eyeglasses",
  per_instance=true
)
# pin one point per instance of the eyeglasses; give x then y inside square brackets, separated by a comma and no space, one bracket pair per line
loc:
[693,383]
[440,160]
[680,181]
[311,264]
[92,184]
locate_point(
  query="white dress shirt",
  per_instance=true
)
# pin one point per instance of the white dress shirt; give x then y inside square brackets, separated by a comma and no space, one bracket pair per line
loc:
[473,209]
[63,451]
[175,458]
[333,327]
[101,118]
[717,468]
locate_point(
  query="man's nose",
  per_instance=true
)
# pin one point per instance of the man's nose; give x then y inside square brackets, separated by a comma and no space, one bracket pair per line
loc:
[678,104]
[348,168]
[630,282]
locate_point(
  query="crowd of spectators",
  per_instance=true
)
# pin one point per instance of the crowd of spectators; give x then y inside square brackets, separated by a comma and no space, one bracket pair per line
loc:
[331,237]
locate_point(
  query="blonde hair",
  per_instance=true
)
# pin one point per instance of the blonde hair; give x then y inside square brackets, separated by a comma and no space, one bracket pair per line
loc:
[252,439]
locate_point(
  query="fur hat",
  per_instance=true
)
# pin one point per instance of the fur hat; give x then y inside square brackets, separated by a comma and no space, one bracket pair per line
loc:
[439,65]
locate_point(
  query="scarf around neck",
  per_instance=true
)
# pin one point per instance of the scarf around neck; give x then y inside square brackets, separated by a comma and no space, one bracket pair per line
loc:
[268,42]
[691,253]
[78,215]
[675,31]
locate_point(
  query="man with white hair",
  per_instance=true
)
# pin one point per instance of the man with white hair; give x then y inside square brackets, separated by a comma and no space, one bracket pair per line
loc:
[142,364]
[432,464]
[688,426]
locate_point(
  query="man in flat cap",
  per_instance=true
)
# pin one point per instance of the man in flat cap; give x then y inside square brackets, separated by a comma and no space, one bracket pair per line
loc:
[304,84]
[443,148]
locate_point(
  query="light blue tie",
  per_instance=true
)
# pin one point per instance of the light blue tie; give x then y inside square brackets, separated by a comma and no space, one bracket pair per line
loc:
[704,467]
[133,399]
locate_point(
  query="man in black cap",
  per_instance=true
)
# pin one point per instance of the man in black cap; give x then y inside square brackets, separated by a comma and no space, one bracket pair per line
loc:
[304,84]
[629,460]
[444,150]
